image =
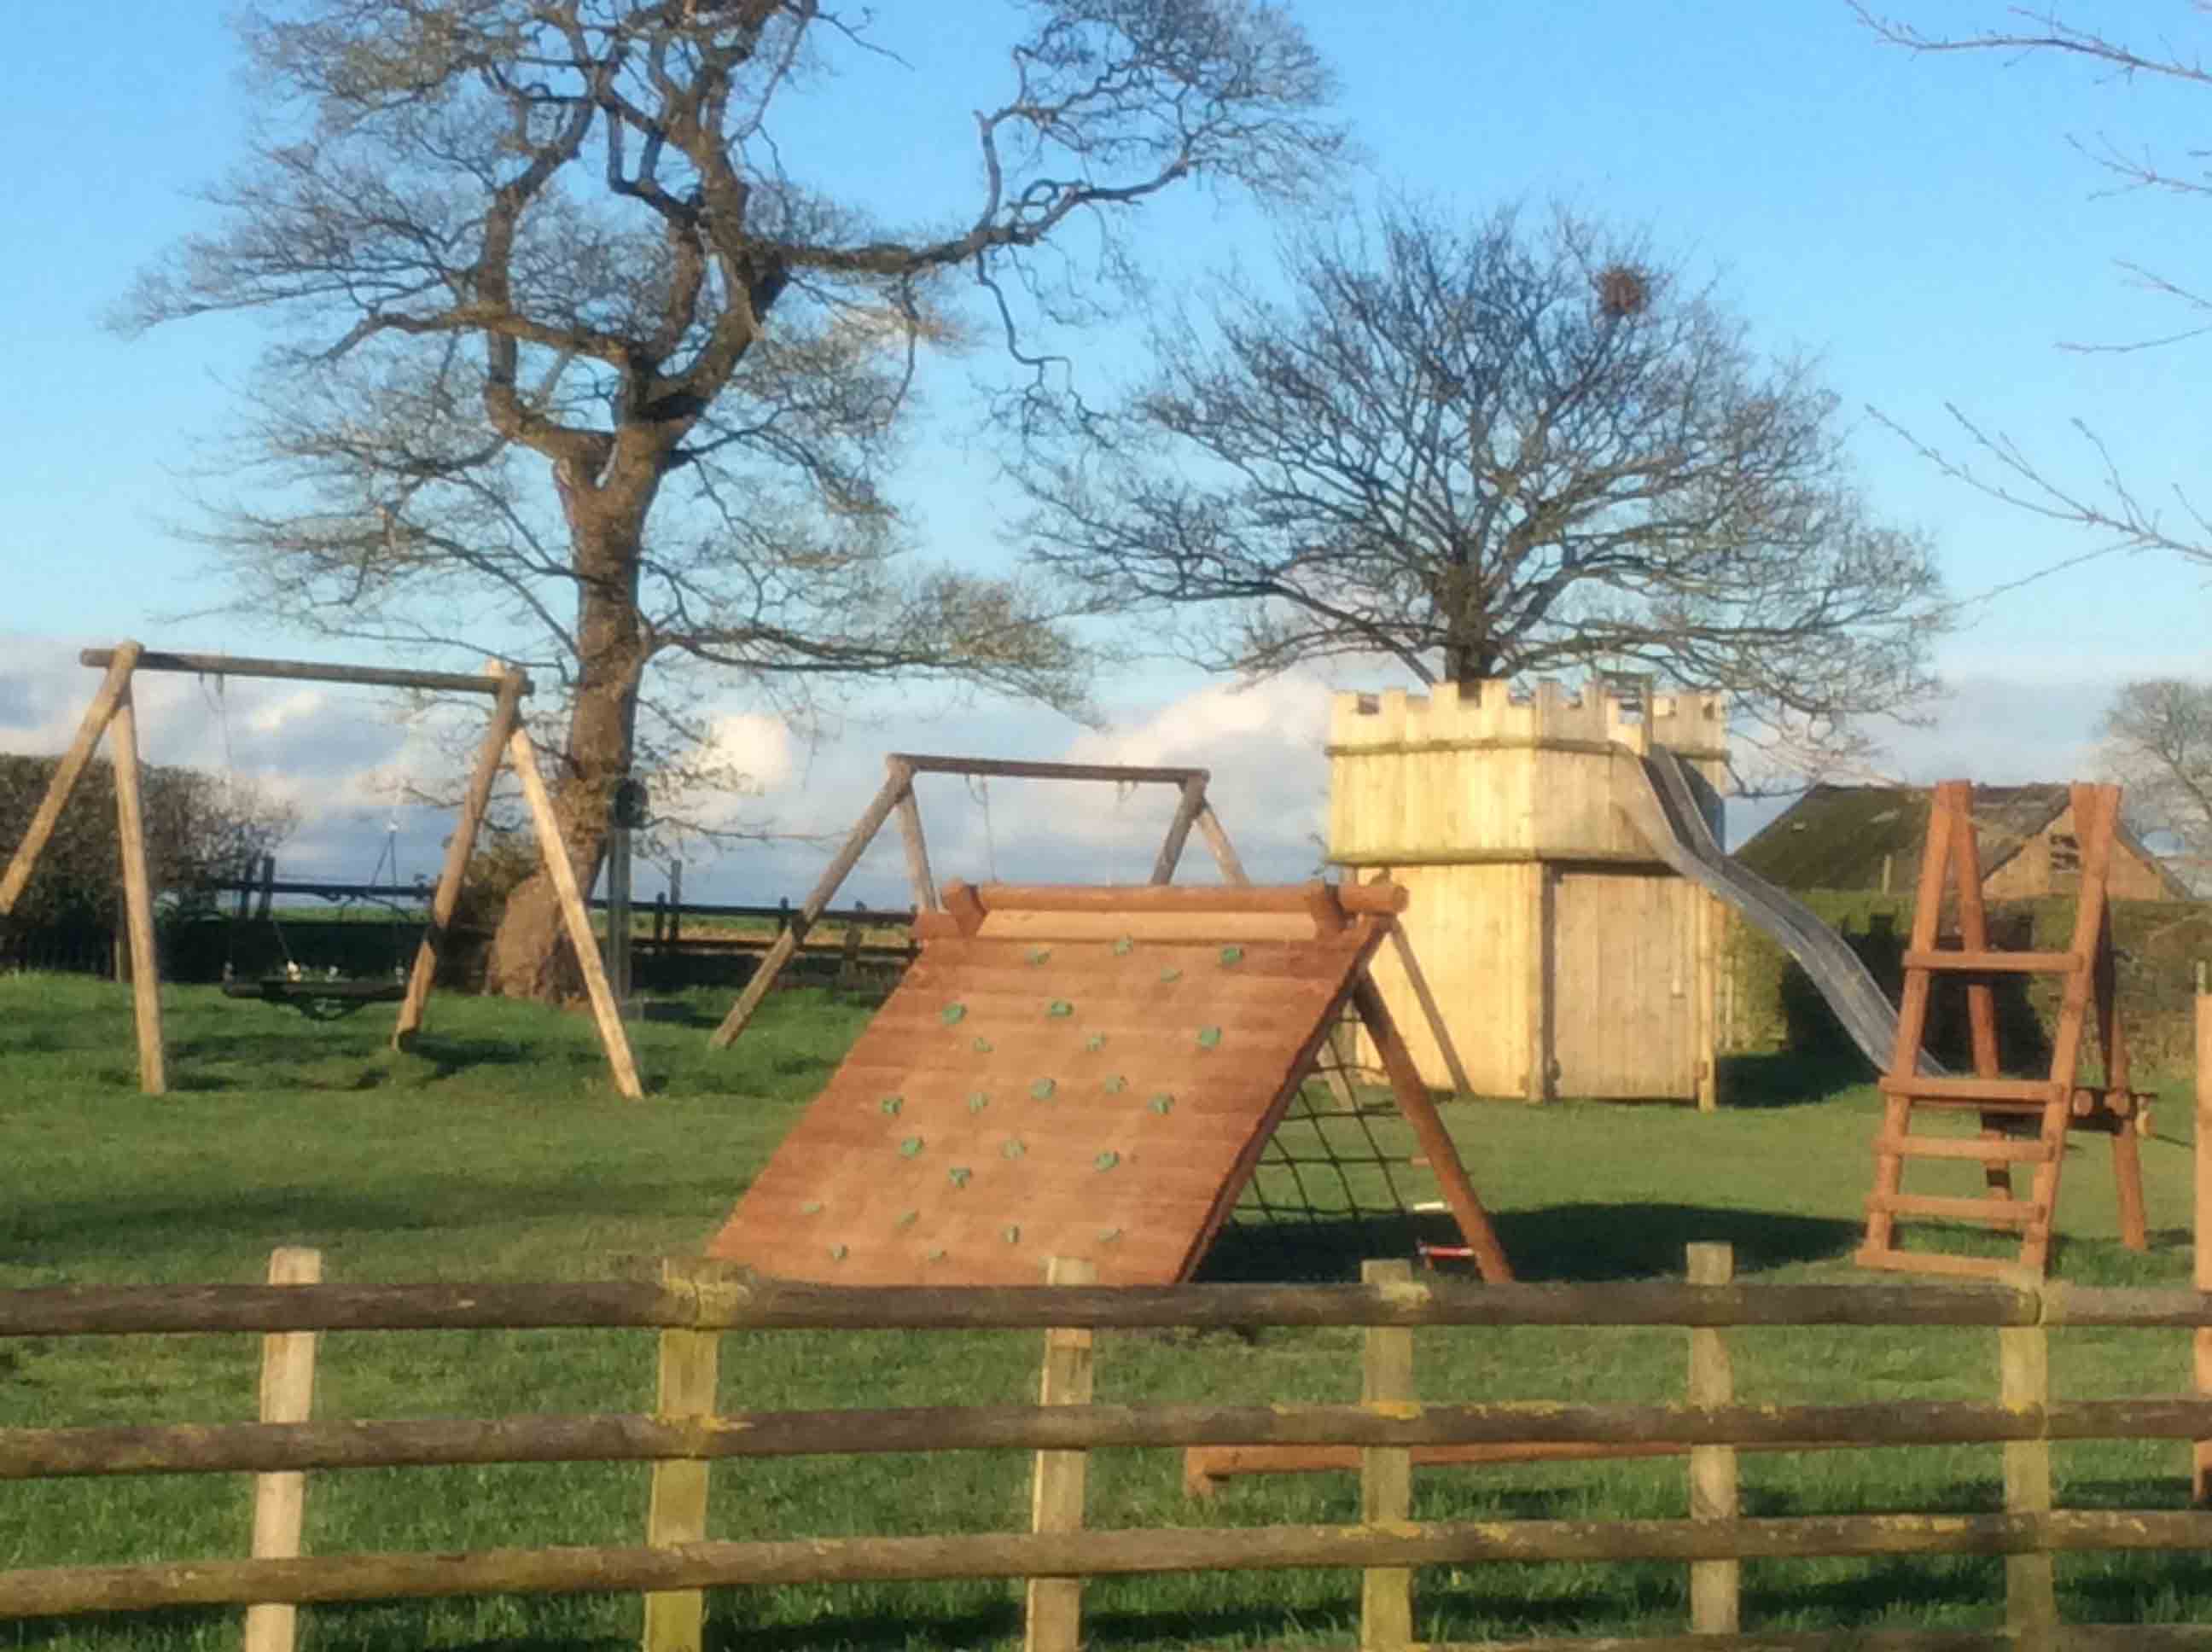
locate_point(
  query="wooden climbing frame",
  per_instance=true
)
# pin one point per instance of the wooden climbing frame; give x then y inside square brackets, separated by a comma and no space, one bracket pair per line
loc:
[1082,1073]
[505,741]
[897,797]
[2024,1119]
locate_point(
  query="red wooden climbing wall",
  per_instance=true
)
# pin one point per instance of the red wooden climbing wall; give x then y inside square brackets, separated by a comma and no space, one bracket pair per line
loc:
[1078,1072]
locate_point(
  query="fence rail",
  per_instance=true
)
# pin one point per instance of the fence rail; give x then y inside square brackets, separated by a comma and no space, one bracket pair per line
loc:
[693,1302]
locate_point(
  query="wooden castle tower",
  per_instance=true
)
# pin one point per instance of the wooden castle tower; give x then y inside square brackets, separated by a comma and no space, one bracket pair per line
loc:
[1566,957]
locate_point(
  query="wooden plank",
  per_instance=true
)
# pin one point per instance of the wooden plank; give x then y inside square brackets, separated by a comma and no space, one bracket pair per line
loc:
[1543,955]
[62,785]
[2031,1598]
[553,849]
[922,762]
[1982,960]
[1386,1473]
[138,899]
[1166,928]
[294,671]
[1937,1263]
[2016,1150]
[1402,949]
[1716,1586]
[1921,1088]
[687,1385]
[1187,808]
[1053,1607]
[506,713]
[1437,1144]
[895,784]
[1981,996]
[1950,798]
[1223,898]
[1995,1213]
[1217,840]
[918,877]
[288,1395]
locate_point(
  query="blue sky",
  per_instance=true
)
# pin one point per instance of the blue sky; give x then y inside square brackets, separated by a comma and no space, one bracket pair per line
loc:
[1920,224]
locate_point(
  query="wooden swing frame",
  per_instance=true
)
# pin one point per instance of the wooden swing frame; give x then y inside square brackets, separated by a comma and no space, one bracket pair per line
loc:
[505,741]
[895,796]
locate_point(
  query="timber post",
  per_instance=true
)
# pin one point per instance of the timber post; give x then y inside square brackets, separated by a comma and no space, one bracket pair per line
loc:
[287,1394]
[1386,1473]
[686,1387]
[1716,1586]
[1053,1607]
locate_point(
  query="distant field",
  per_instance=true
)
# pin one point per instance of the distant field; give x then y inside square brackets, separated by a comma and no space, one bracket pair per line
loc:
[498,1150]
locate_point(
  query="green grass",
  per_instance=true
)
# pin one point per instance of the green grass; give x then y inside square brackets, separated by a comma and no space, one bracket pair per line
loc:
[498,1150]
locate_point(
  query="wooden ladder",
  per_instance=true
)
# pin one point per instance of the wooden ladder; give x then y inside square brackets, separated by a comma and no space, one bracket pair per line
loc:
[2024,1121]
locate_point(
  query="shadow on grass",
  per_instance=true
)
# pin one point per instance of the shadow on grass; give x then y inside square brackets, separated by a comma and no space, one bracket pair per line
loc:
[1790,1077]
[1558,1243]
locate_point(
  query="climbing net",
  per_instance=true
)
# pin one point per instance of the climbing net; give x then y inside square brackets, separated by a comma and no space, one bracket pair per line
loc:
[1341,1155]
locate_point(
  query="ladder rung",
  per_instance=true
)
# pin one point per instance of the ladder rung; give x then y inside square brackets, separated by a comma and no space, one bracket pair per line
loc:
[2014,1150]
[1930,1261]
[2041,1091]
[1994,1213]
[1986,960]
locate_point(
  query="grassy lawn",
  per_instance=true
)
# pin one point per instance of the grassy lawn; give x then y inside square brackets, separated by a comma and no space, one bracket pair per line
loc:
[498,1150]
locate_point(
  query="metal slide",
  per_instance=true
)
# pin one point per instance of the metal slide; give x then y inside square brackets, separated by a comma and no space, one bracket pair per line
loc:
[1661,797]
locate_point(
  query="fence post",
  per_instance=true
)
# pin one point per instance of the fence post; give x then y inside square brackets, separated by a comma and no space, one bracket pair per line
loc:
[1053,1607]
[1716,1586]
[690,1366]
[288,1393]
[2202,1275]
[2024,1367]
[1386,1473]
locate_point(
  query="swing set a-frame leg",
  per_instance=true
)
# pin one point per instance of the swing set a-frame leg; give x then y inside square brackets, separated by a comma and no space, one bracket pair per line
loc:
[506,717]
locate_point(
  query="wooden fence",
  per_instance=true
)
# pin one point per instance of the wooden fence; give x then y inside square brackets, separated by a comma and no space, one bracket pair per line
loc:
[693,1302]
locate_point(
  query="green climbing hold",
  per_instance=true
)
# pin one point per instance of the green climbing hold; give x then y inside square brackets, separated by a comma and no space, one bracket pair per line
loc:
[1108,1235]
[934,1254]
[982,1047]
[958,1175]
[1059,1006]
[1010,1233]
[1170,974]
[811,1207]
[977,1101]
[1042,1090]
[1108,1160]
[952,1013]
[838,1253]
[1163,1105]
[907,1218]
[910,1146]
[1039,954]
[1123,947]
[1208,1037]
[1231,956]
[1096,1042]
[1115,1084]
[1012,1149]
[891,1105]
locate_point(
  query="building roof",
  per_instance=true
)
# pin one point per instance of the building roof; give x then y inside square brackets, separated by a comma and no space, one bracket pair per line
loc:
[1840,836]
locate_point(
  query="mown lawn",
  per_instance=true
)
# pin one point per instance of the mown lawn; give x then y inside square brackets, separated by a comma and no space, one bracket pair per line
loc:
[498,1150]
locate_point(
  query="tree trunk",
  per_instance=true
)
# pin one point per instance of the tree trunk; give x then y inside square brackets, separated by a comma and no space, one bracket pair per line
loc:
[530,957]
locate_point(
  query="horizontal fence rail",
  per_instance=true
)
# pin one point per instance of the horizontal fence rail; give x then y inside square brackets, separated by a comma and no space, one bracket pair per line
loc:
[763,1304]
[65,1591]
[693,1302]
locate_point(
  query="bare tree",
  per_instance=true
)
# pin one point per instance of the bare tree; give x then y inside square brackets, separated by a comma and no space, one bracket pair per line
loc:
[1483,451]
[2107,501]
[512,243]
[2158,743]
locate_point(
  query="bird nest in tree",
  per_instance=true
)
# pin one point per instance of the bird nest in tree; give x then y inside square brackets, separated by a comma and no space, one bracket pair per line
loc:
[1622,292]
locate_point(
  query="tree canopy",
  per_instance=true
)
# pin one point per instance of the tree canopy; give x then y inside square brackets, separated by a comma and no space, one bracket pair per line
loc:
[1491,449]
[2106,498]
[531,262]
